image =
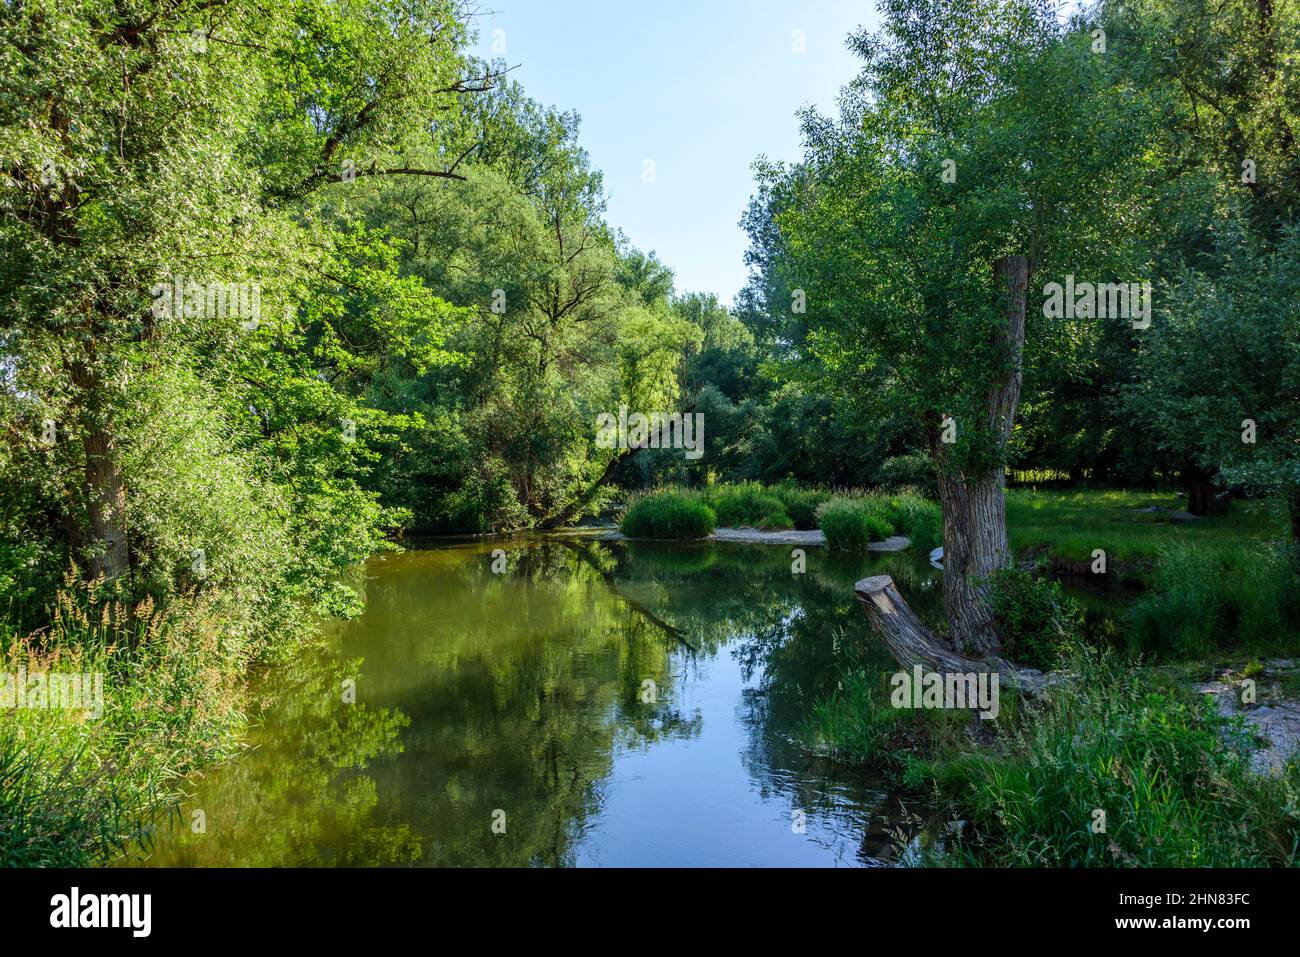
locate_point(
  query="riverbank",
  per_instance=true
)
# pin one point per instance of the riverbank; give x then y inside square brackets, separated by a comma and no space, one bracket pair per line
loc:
[846,520]
[1121,767]
[811,538]
[86,783]
[84,778]
[1174,743]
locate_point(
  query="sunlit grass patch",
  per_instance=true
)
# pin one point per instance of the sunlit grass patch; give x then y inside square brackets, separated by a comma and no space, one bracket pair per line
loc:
[1071,525]
[669,515]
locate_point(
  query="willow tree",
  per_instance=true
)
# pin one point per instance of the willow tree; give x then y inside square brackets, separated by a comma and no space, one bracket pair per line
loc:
[569,322]
[158,143]
[981,153]
[1232,112]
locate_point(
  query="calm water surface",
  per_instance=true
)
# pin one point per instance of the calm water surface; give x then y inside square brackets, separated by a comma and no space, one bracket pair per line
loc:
[606,703]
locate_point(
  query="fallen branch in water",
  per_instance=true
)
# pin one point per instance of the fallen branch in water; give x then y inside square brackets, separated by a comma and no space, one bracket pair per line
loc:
[631,602]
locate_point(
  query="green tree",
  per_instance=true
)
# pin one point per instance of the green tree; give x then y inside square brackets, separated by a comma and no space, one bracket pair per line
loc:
[158,147]
[568,321]
[1235,416]
[983,145]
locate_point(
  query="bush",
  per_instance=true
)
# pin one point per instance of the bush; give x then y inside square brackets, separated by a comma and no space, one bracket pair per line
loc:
[801,503]
[747,504]
[1038,623]
[774,522]
[479,506]
[668,515]
[850,524]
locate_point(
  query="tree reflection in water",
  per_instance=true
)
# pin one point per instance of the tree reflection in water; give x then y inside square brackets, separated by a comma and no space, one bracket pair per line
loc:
[518,692]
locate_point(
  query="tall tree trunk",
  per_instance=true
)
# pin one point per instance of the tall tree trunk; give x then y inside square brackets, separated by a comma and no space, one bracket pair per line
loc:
[974,546]
[104,490]
[105,507]
[974,506]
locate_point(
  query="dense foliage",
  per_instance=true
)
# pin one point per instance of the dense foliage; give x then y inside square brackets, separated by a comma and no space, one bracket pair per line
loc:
[1038,621]
[280,283]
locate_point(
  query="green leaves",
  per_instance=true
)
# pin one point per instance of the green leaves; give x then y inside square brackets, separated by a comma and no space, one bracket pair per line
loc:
[1235,415]
[975,131]
[161,160]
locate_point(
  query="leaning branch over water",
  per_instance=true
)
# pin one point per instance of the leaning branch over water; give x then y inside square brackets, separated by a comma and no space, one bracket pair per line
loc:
[635,605]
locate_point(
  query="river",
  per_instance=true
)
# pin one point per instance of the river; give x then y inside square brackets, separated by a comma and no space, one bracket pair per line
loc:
[561,701]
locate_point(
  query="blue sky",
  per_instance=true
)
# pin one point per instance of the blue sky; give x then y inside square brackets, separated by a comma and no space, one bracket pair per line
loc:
[700,88]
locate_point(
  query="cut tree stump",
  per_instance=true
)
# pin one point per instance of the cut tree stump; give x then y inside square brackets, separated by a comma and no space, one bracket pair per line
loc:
[911,643]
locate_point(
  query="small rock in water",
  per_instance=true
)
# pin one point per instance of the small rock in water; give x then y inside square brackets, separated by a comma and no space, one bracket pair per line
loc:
[895,543]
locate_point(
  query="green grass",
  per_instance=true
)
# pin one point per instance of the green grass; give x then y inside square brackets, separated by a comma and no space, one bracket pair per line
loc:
[1069,525]
[746,504]
[857,725]
[801,503]
[1171,777]
[670,515]
[1212,585]
[850,524]
[1204,599]
[78,790]
[850,520]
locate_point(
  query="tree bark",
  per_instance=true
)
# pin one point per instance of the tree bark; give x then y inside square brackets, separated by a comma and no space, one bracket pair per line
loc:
[974,506]
[974,547]
[1011,274]
[105,508]
[104,489]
